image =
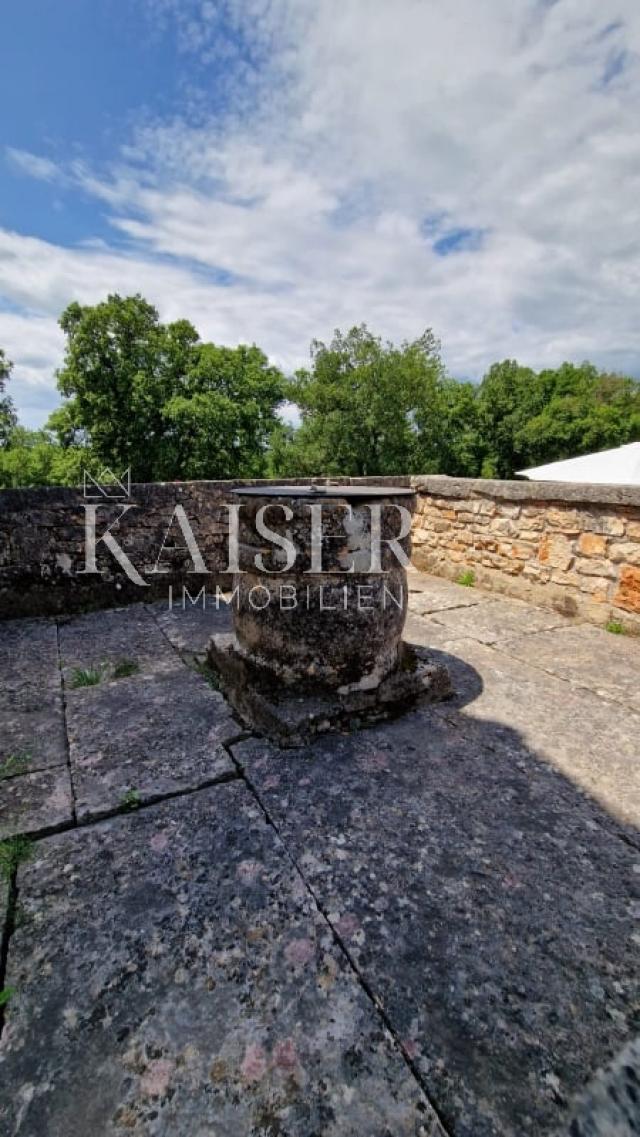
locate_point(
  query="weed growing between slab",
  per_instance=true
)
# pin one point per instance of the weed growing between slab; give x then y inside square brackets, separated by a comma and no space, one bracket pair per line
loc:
[15,764]
[130,801]
[91,676]
[206,672]
[86,676]
[616,628]
[13,851]
[467,578]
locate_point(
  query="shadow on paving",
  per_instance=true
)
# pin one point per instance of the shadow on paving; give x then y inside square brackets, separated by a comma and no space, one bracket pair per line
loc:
[174,977]
[456,938]
[490,906]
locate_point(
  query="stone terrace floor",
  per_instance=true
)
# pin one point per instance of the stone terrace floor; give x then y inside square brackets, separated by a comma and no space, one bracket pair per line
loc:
[425,927]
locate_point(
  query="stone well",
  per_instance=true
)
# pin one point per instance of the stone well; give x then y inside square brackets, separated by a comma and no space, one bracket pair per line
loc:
[319,603]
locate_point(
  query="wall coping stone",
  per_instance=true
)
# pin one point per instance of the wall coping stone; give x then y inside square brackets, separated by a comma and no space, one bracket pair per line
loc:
[24,497]
[564,493]
[439,485]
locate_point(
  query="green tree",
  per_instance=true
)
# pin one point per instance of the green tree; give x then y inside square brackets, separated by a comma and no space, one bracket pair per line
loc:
[585,411]
[294,453]
[507,398]
[369,407]
[8,418]
[153,397]
[529,419]
[449,439]
[34,458]
[221,422]
[121,366]
[363,404]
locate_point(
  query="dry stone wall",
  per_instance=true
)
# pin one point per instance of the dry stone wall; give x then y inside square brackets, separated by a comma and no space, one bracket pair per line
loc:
[575,548]
[43,544]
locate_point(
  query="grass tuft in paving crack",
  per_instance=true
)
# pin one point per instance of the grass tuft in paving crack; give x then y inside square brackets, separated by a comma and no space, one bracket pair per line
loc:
[206,672]
[86,676]
[17,763]
[6,994]
[13,851]
[130,800]
[124,668]
[467,578]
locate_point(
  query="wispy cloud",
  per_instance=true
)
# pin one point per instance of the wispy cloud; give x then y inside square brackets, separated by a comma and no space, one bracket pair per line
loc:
[32,164]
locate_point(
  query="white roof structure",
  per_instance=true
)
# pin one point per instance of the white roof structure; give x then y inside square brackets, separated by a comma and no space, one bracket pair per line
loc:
[618,467]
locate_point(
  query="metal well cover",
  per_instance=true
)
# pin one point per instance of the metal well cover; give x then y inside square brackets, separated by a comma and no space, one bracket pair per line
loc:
[346,492]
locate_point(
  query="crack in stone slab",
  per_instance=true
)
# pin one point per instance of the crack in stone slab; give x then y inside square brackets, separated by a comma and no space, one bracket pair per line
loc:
[340,942]
[216,996]
[66,731]
[146,737]
[480,900]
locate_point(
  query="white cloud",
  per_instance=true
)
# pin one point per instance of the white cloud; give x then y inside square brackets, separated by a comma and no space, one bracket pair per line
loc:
[304,207]
[36,167]
[34,343]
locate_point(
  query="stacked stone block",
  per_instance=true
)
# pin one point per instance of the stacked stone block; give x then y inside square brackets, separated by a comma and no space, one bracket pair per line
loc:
[576,548]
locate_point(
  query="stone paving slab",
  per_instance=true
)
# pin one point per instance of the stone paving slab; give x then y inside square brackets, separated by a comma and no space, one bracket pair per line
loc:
[33,739]
[35,803]
[607,664]
[173,980]
[150,736]
[593,741]
[434,594]
[35,792]
[490,907]
[103,639]
[190,629]
[495,621]
[28,664]
[589,740]
[425,631]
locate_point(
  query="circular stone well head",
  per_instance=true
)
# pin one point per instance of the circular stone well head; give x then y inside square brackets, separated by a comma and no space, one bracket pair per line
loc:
[321,588]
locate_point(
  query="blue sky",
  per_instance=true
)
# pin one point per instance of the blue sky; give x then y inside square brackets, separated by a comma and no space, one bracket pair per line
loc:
[266,169]
[77,78]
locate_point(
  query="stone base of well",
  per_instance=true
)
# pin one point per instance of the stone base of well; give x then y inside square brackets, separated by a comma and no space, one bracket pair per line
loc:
[292,717]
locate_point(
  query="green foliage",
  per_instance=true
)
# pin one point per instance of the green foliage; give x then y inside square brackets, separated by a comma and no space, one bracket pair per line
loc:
[373,408]
[206,672]
[40,457]
[221,421]
[13,851]
[5,994]
[86,676]
[124,668]
[33,458]
[153,397]
[616,628]
[14,764]
[467,578]
[130,801]
[365,405]
[8,418]
[121,365]
[529,419]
